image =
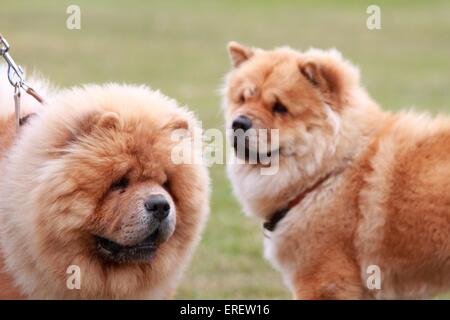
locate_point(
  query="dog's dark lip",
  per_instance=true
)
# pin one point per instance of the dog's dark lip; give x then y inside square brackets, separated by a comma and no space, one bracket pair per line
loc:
[258,155]
[115,252]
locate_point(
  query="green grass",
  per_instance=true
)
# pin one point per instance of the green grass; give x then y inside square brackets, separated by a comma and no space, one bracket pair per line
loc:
[179,47]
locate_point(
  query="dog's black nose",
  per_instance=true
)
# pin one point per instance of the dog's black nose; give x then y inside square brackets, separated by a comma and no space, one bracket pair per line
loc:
[241,122]
[158,206]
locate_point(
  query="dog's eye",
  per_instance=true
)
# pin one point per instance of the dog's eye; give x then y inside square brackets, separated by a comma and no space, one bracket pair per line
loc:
[120,185]
[241,99]
[278,107]
[166,185]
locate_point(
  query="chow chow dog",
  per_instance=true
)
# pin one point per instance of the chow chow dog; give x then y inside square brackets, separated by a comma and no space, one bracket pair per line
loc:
[360,205]
[87,185]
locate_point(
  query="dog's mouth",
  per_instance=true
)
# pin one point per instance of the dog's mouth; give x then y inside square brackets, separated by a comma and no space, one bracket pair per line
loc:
[251,156]
[142,252]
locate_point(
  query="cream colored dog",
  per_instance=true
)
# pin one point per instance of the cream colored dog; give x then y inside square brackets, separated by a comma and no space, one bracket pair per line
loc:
[88,189]
[360,193]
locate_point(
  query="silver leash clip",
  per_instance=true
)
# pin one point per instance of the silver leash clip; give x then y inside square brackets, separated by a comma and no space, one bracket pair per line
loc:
[16,77]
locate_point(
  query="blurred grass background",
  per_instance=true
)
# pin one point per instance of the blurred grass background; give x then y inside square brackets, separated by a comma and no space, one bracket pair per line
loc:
[179,47]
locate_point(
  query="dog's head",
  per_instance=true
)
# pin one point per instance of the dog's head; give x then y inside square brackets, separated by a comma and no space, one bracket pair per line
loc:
[91,183]
[294,109]
[300,94]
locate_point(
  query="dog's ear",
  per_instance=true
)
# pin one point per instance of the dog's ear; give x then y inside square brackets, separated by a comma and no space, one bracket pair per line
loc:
[238,53]
[109,120]
[84,125]
[176,123]
[334,77]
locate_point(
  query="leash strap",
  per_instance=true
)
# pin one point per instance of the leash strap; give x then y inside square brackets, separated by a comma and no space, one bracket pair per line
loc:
[17,94]
[16,77]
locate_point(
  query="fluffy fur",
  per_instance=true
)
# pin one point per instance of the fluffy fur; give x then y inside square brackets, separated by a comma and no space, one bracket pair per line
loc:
[56,191]
[387,201]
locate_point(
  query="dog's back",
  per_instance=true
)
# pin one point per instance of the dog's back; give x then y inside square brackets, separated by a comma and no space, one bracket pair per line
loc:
[28,105]
[411,183]
[7,134]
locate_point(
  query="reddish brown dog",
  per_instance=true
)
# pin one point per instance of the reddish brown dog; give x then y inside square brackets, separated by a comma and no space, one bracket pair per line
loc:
[360,190]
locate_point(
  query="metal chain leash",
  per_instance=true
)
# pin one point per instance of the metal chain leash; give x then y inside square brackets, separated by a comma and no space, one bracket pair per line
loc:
[16,77]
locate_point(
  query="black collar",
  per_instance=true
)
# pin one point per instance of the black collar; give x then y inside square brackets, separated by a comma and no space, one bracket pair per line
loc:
[25,119]
[278,215]
[270,224]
